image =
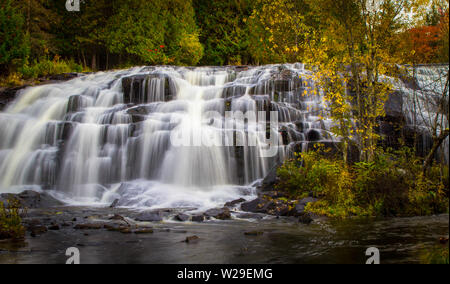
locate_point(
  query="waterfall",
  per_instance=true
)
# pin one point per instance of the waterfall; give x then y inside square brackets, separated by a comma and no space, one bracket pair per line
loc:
[160,136]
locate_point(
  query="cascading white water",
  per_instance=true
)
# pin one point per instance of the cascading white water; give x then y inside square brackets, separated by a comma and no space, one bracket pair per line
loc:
[110,135]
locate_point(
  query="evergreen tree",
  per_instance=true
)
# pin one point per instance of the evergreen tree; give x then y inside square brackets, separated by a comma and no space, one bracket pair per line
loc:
[13,41]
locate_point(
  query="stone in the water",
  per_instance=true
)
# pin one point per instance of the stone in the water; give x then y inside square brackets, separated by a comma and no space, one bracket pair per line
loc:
[198,218]
[305,219]
[191,239]
[182,217]
[299,208]
[149,217]
[88,226]
[126,231]
[252,206]
[31,199]
[234,202]
[144,231]
[221,214]
[114,204]
[54,227]
[250,216]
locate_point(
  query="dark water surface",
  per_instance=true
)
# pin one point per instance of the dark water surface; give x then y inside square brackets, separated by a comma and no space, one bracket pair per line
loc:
[400,240]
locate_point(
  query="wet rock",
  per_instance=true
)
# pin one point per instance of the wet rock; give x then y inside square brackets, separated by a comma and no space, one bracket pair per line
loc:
[35,227]
[198,218]
[115,228]
[126,231]
[250,216]
[114,204]
[117,218]
[221,214]
[252,206]
[135,88]
[64,76]
[313,135]
[299,208]
[259,205]
[150,217]
[31,199]
[270,180]
[88,226]
[191,239]
[234,202]
[182,217]
[54,228]
[143,231]
[305,219]
[254,233]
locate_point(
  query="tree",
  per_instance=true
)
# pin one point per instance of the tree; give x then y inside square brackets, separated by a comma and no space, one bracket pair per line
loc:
[161,33]
[223,31]
[353,48]
[14,47]
[38,21]
[276,30]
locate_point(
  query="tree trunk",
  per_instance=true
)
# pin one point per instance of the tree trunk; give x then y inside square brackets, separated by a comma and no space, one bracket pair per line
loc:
[437,142]
[94,62]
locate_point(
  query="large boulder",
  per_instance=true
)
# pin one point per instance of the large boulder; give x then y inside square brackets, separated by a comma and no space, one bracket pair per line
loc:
[219,213]
[150,216]
[31,199]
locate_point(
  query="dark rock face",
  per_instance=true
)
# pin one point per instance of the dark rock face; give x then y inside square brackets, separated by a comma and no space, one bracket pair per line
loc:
[300,207]
[182,217]
[221,214]
[150,217]
[313,135]
[8,95]
[198,218]
[137,90]
[277,207]
[234,202]
[31,199]
[253,206]
[270,180]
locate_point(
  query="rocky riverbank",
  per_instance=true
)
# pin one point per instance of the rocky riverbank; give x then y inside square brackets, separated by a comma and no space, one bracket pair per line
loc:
[8,94]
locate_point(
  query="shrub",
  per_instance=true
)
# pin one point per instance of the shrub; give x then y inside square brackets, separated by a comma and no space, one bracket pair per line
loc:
[45,67]
[436,255]
[391,185]
[328,179]
[10,221]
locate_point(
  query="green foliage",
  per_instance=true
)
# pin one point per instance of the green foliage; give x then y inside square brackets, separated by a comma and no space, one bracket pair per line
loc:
[13,42]
[328,179]
[224,32]
[45,67]
[10,221]
[436,255]
[391,185]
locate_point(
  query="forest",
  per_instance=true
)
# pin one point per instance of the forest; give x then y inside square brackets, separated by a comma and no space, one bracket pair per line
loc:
[39,37]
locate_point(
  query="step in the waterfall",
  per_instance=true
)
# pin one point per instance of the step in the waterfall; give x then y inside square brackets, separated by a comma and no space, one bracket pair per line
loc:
[148,88]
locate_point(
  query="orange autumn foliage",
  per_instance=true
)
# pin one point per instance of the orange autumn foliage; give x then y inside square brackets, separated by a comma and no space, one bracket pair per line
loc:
[424,42]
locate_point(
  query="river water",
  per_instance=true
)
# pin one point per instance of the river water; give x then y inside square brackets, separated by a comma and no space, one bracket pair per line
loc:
[400,240]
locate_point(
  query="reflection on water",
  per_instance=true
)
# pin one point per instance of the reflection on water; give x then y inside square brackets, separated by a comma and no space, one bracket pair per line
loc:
[400,240]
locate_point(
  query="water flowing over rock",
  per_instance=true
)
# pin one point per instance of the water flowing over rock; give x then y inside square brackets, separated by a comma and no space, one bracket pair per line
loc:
[121,135]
